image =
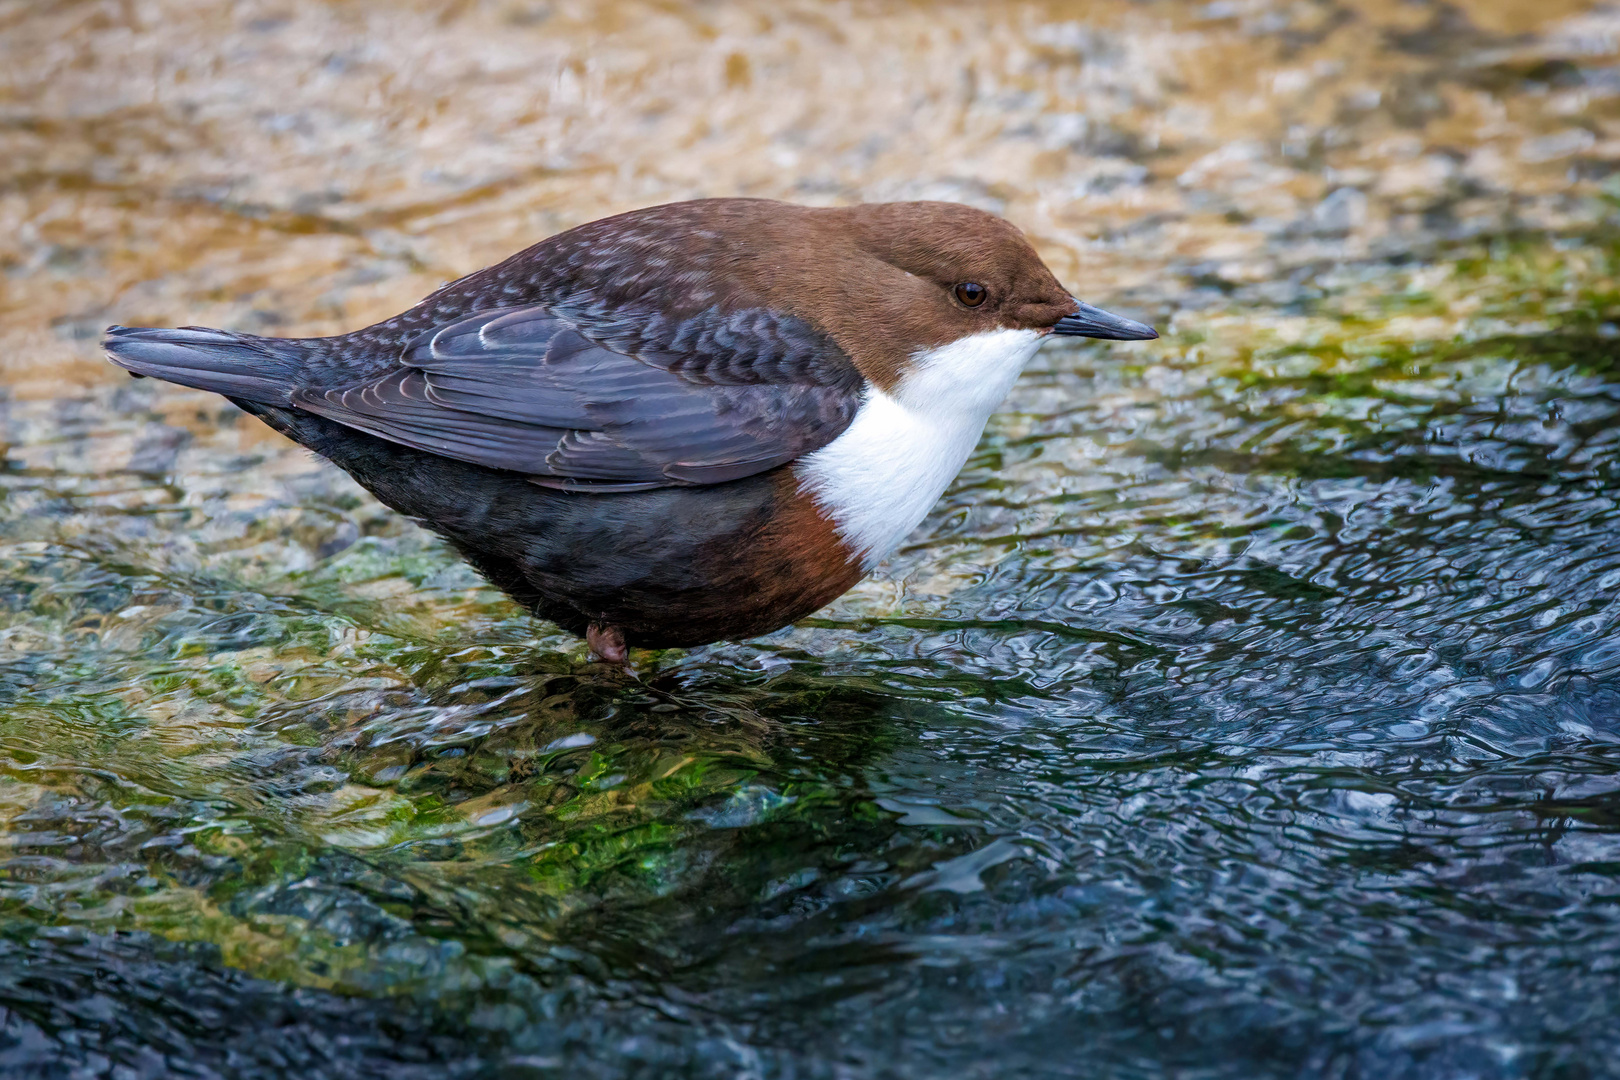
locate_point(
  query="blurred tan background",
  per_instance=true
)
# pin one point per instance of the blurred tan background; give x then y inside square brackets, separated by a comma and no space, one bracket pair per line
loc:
[303,168]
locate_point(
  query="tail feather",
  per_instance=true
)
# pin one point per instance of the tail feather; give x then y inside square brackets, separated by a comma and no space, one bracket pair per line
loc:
[236,365]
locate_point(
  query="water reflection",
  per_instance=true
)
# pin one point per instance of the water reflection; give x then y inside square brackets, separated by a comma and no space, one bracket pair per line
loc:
[1248,707]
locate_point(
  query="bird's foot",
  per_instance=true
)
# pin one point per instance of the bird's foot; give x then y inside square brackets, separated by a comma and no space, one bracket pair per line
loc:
[607,644]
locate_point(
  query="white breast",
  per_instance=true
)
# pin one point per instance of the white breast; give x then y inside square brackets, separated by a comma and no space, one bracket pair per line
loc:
[879,479]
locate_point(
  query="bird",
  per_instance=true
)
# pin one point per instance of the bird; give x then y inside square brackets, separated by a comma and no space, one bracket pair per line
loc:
[683,424]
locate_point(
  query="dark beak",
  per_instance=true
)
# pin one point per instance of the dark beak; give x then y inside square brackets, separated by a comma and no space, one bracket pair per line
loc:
[1097,323]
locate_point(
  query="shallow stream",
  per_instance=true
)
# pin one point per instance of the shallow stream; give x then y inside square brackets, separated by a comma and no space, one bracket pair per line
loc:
[1249,707]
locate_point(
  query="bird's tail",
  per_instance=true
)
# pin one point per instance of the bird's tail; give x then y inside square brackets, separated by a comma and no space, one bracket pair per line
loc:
[236,365]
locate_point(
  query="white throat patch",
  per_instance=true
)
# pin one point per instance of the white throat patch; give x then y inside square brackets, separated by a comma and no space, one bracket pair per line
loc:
[880,478]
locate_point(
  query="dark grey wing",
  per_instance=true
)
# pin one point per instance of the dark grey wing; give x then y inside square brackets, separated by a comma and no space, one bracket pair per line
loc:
[716,398]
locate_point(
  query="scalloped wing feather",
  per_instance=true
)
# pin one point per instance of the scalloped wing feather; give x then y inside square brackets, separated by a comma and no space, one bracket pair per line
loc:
[522,389]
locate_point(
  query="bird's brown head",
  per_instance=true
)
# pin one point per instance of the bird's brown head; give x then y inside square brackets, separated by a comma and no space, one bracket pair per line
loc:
[915,276]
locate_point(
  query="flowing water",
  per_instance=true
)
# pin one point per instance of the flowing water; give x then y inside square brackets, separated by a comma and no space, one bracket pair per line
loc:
[1249,707]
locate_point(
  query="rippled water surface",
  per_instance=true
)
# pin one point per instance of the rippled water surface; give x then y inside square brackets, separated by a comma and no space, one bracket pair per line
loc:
[1249,707]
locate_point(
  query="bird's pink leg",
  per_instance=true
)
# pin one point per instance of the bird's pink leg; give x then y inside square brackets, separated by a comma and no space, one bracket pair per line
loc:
[607,643]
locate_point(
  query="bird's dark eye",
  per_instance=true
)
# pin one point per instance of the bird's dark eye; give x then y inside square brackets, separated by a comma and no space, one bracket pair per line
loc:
[971,293]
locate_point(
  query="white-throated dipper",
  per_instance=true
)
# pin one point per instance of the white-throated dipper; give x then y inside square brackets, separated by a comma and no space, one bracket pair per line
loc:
[682,424]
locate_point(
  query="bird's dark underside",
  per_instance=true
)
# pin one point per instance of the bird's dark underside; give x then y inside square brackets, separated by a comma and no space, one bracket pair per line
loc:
[667,568]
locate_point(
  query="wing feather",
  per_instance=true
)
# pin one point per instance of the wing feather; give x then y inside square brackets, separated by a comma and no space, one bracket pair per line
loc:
[706,400]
